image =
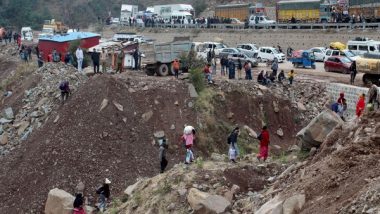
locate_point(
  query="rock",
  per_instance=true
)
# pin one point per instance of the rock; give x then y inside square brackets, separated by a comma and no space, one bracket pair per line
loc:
[293,204]
[4,121]
[196,199]
[182,192]
[147,115]
[156,102]
[230,115]
[277,147]
[273,206]
[41,102]
[159,134]
[4,139]
[215,204]
[275,107]
[280,132]
[131,90]
[56,119]
[146,88]
[301,106]
[250,131]
[59,202]
[8,114]
[172,127]
[103,104]
[80,187]
[229,195]
[287,171]
[22,127]
[317,130]
[217,157]
[131,189]
[294,148]
[171,207]
[313,151]
[118,106]
[193,93]
[37,114]
[263,88]
[190,104]
[176,103]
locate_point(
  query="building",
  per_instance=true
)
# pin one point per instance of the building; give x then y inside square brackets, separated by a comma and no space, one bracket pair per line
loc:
[61,43]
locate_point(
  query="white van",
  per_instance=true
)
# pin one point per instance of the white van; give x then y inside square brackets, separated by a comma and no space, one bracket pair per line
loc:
[361,46]
[26,34]
[270,53]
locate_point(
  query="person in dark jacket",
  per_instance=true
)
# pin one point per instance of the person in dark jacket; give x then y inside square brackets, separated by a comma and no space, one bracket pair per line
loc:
[162,154]
[223,63]
[353,72]
[78,204]
[239,68]
[232,140]
[95,57]
[104,195]
[136,55]
[65,90]
[40,60]
[274,67]
[281,76]
[231,69]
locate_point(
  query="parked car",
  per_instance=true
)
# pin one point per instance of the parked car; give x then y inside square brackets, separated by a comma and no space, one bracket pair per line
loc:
[236,21]
[269,54]
[338,64]
[214,45]
[347,53]
[360,46]
[319,53]
[248,48]
[227,51]
[243,58]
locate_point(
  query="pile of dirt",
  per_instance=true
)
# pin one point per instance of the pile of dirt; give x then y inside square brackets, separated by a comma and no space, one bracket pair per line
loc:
[34,96]
[343,177]
[82,142]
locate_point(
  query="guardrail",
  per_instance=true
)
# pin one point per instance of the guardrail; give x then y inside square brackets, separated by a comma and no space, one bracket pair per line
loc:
[310,26]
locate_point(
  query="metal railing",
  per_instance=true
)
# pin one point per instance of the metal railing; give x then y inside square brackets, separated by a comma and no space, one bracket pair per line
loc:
[310,26]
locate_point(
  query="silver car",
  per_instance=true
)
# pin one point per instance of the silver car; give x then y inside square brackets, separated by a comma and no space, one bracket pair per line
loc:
[243,58]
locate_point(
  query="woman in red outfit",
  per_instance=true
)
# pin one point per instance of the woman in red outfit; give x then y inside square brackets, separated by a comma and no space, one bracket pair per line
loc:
[264,144]
[360,105]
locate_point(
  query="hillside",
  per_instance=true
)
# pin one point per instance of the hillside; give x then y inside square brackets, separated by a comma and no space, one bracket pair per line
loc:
[81,13]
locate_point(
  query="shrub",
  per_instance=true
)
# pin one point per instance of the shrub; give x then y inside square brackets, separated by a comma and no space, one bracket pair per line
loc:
[197,78]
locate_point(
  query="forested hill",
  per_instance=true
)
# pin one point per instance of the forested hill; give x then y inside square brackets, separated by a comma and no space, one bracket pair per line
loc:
[81,13]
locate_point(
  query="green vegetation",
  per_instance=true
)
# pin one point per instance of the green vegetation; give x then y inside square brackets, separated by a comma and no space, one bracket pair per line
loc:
[198,79]
[199,6]
[199,161]
[302,155]
[164,189]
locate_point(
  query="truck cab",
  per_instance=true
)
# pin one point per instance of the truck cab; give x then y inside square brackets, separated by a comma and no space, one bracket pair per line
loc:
[325,13]
[26,34]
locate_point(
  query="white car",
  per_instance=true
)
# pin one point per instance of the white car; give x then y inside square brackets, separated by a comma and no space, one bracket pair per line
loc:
[236,21]
[218,47]
[270,53]
[346,53]
[253,20]
[319,53]
[249,49]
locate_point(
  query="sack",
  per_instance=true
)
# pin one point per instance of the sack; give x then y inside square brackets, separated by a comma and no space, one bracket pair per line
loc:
[232,153]
[229,139]
[260,137]
[62,86]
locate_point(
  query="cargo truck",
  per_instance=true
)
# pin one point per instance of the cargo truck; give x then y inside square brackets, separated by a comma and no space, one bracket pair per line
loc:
[303,11]
[239,11]
[369,9]
[370,66]
[127,12]
[165,54]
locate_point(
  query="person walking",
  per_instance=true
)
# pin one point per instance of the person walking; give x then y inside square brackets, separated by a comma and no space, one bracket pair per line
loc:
[78,204]
[104,195]
[233,150]
[207,72]
[103,60]
[64,86]
[188,138]
[95,57]
[79,55]
[274,67]
[291,77]
[264,144]
[239,68]
[353,72]
[40,60]
[162,154]
[136,55]
[120,60]
[223,63]
[248,71]
[360,105]
[176,67]
[231,69]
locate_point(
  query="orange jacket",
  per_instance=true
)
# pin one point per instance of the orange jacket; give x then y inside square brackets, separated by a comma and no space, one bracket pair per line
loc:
[176,65]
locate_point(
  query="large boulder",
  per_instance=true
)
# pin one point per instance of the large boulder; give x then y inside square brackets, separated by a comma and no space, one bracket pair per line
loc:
[293,204]
[59,202]
[202,202]
[317,130]
[273,206]
[131,189]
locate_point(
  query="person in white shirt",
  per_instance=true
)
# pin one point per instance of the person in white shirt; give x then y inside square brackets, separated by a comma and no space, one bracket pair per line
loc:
[79,55]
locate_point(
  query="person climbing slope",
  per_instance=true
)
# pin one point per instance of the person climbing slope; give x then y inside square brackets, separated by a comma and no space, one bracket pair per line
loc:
[162,154]
[233,150]
[188,139]
[360,105]
[104,194]
[264,144]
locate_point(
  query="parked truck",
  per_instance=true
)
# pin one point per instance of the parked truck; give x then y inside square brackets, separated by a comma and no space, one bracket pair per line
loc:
[303,11]
[127,12]
[243,11]
[368,9]
[370,66]
[165,54]
[53,27]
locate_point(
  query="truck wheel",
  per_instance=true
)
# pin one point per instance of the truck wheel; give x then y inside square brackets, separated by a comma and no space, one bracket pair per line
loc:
[313,66]
[150,72]
[163,70]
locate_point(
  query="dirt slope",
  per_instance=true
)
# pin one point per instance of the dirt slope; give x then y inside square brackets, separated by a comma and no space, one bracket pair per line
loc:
[85,145]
